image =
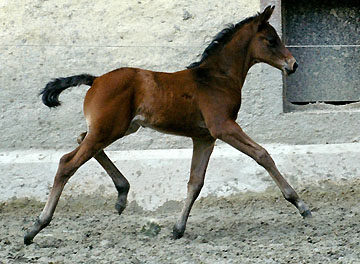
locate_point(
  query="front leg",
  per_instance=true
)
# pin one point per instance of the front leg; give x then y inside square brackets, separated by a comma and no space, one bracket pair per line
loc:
[200,159]
[230,132]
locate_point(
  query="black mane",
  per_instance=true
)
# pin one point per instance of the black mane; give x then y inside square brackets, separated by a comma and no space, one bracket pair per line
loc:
[223,37]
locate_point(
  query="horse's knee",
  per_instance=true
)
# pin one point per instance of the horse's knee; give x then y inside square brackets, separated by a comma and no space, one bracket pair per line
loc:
[195,184]
[66,169]
[65,159]
[263,158]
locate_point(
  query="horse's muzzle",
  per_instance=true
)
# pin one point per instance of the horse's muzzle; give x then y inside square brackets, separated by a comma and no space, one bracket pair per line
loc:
[291,70]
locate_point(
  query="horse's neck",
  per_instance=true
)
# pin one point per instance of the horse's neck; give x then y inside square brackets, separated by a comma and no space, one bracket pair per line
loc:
[235,61]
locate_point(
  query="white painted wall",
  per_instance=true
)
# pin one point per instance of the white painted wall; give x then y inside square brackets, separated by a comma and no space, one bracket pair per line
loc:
[40,40]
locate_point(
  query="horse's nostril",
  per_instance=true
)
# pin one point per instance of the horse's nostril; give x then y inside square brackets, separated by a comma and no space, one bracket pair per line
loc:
[295,66]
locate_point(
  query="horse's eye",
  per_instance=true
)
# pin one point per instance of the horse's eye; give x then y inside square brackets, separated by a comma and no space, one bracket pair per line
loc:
[272,42]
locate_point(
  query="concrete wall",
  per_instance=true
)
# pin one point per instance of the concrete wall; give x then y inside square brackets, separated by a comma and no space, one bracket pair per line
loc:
[45,39]
[40,40]
[159,176]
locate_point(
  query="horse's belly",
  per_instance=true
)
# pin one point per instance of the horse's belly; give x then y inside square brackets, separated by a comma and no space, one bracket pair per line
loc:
[181,126]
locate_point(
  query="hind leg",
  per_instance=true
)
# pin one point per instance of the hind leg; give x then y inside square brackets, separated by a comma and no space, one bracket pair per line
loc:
[121,183]
[68,165]
[107,110]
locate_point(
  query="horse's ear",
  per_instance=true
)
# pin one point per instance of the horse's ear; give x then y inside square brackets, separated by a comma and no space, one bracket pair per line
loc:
[265,16]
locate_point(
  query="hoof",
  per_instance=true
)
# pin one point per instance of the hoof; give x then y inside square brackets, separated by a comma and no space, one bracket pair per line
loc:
[120,208]
[306,214]
[27,240]
[177,233]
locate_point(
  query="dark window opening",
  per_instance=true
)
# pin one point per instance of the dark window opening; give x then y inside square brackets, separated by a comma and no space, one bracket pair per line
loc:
[324,37]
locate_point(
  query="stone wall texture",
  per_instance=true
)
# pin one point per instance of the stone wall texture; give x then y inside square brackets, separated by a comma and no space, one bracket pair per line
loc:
[324,36]
[40,40]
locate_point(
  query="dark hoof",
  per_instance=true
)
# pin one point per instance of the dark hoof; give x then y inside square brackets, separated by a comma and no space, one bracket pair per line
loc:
[27,240]
[306,214]
[177,233]
[120,208]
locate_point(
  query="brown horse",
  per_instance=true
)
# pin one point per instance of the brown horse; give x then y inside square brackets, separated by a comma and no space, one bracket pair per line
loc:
[201,102]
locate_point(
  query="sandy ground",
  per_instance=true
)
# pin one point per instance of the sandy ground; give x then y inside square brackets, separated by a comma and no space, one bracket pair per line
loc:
[244,228]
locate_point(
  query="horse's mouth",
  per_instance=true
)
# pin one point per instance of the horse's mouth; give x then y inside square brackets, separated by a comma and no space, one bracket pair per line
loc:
[288,72]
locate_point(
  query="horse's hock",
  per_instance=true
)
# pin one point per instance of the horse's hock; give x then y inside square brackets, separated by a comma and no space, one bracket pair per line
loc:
[309,142]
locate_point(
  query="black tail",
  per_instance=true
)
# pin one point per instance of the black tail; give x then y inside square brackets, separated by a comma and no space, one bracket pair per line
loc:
[50,94]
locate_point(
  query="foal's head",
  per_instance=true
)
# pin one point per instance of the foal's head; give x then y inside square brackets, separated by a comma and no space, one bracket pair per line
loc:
[267,47]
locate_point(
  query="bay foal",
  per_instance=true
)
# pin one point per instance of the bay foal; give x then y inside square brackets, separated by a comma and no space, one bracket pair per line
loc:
[201,102]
